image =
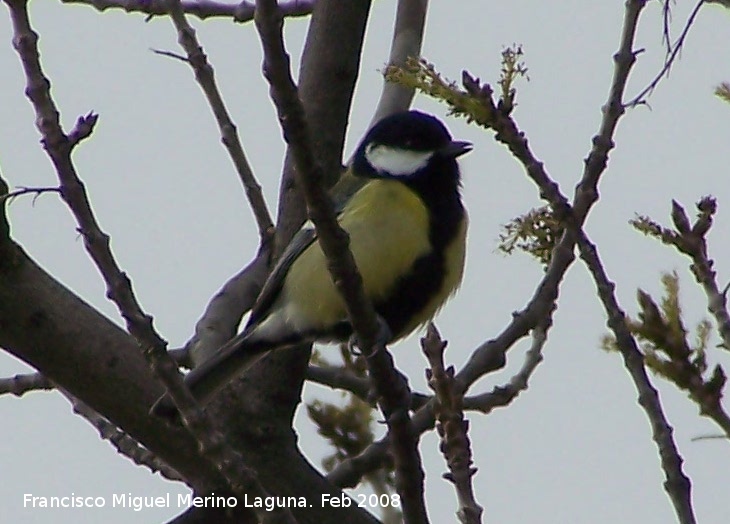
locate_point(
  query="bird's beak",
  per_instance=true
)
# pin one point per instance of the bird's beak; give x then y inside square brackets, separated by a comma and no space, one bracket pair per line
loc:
[455,148]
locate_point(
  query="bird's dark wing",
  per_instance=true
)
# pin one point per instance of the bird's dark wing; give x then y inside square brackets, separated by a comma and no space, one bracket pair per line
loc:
[301,241]
[340,195]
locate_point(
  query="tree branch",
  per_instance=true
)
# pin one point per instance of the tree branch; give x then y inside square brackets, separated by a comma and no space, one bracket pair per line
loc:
[35,191]
[205,77]
[672,50]
[203,9]
[327,75]
[122,442]
[19,385]
[491,355]
[119,289]
[395,396]
[336,377]
[410,23]
[223,313]
[677,484]
[692,242]
[502,396]
[58,146]
[452,428]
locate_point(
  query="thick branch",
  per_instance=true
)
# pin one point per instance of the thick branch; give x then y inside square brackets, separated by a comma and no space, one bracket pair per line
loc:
[225,310]
[119,289]
[410,24]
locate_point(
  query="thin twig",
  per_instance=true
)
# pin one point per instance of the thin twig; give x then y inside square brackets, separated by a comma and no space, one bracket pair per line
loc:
[673,50]
[240,13]
[666,26]
[170,54]
[390,385]
[688,374]
[502,396]
[35,191]
[508,133]
[121,441]
[708,437]
[677,484]
[693,242]
[125,445]
[205,77]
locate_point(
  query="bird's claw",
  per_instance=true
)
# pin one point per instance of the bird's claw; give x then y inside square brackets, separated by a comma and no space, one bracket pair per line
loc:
[382,337]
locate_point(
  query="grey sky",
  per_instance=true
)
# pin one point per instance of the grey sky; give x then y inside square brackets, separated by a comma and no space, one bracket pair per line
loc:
[575,447]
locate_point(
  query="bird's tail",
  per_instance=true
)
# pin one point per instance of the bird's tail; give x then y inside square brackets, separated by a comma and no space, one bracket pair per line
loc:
[230,360]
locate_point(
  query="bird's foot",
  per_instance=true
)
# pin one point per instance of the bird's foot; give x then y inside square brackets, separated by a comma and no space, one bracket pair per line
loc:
[382,337]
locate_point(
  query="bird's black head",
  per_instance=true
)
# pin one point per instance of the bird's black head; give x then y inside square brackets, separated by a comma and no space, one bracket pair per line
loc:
[405,145]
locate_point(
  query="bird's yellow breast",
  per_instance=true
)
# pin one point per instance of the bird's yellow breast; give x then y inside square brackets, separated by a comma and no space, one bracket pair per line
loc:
[388,226]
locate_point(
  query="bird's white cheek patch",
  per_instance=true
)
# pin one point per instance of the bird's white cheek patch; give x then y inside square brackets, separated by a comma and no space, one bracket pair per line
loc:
[396,162]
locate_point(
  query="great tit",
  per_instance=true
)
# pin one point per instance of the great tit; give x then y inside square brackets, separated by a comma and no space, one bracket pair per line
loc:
[407,229]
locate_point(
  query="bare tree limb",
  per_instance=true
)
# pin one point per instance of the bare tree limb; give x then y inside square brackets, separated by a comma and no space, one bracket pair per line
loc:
[508,133]
[451,426]
[121,441]
[673,50]
[203,9]
[35,191]
[125,445]
[394,394]
[692,242]
[58,146]
[492,354]
[19,385]
[327,75]
[677,484]
[502,396]
[410,23]
[337,377]
[218,323]
[205,77]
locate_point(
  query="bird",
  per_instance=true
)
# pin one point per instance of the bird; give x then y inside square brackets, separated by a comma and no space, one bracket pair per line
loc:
[407,227]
